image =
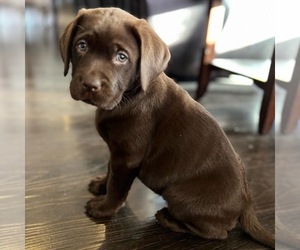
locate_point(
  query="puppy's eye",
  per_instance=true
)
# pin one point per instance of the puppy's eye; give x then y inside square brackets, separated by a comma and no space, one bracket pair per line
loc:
[122,57]
[82,45]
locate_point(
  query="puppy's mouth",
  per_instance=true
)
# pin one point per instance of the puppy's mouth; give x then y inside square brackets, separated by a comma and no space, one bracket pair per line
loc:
[100,101]
[107,106]
[88,101]
[87,98]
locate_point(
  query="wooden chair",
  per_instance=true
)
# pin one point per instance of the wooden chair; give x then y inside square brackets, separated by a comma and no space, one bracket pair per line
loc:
[255,59]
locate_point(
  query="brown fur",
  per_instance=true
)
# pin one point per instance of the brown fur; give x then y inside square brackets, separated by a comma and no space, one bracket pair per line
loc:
[154,130]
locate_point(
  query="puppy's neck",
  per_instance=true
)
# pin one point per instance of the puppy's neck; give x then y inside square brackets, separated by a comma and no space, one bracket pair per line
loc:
[132,91]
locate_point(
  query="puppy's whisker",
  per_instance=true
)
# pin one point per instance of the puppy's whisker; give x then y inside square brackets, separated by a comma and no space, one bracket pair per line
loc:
[79,26]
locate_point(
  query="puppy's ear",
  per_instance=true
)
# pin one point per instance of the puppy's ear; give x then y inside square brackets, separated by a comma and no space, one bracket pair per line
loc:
[154,53]
[65,40]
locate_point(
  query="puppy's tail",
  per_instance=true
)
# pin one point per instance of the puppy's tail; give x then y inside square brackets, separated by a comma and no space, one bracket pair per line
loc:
[254,228]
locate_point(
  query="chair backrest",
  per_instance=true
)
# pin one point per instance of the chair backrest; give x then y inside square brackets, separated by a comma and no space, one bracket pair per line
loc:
[182,26]
[248,31]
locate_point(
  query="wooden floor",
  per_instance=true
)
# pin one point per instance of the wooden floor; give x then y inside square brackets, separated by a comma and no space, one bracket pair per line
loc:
[64,152]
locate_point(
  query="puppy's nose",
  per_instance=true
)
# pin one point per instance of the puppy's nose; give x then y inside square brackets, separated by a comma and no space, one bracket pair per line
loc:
[91,85]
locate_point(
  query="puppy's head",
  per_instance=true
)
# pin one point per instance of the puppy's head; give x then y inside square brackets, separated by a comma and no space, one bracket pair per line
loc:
[111,53]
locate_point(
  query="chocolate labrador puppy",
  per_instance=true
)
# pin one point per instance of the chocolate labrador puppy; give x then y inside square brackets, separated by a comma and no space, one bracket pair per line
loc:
[154,130]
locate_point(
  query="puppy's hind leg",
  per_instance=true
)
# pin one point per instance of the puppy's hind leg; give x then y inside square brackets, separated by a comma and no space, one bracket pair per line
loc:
[207,231]
[165,219]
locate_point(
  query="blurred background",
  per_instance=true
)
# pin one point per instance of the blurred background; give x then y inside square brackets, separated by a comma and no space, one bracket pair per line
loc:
[224,53]
[12,125]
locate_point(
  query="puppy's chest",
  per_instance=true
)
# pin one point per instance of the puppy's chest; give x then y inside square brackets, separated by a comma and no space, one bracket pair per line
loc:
[110,130]
[117,131]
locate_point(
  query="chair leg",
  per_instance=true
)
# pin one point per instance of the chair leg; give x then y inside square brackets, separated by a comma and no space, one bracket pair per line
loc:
[267,111]
[291,110]
[203,80]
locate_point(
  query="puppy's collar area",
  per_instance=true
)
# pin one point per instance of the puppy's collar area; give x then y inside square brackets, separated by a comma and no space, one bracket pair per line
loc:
[132,91]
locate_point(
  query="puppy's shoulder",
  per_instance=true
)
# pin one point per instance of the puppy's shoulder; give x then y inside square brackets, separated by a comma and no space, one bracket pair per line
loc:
[176,95]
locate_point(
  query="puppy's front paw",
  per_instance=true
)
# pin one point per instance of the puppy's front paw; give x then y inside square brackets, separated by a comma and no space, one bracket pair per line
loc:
[98,185]
[99,208]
